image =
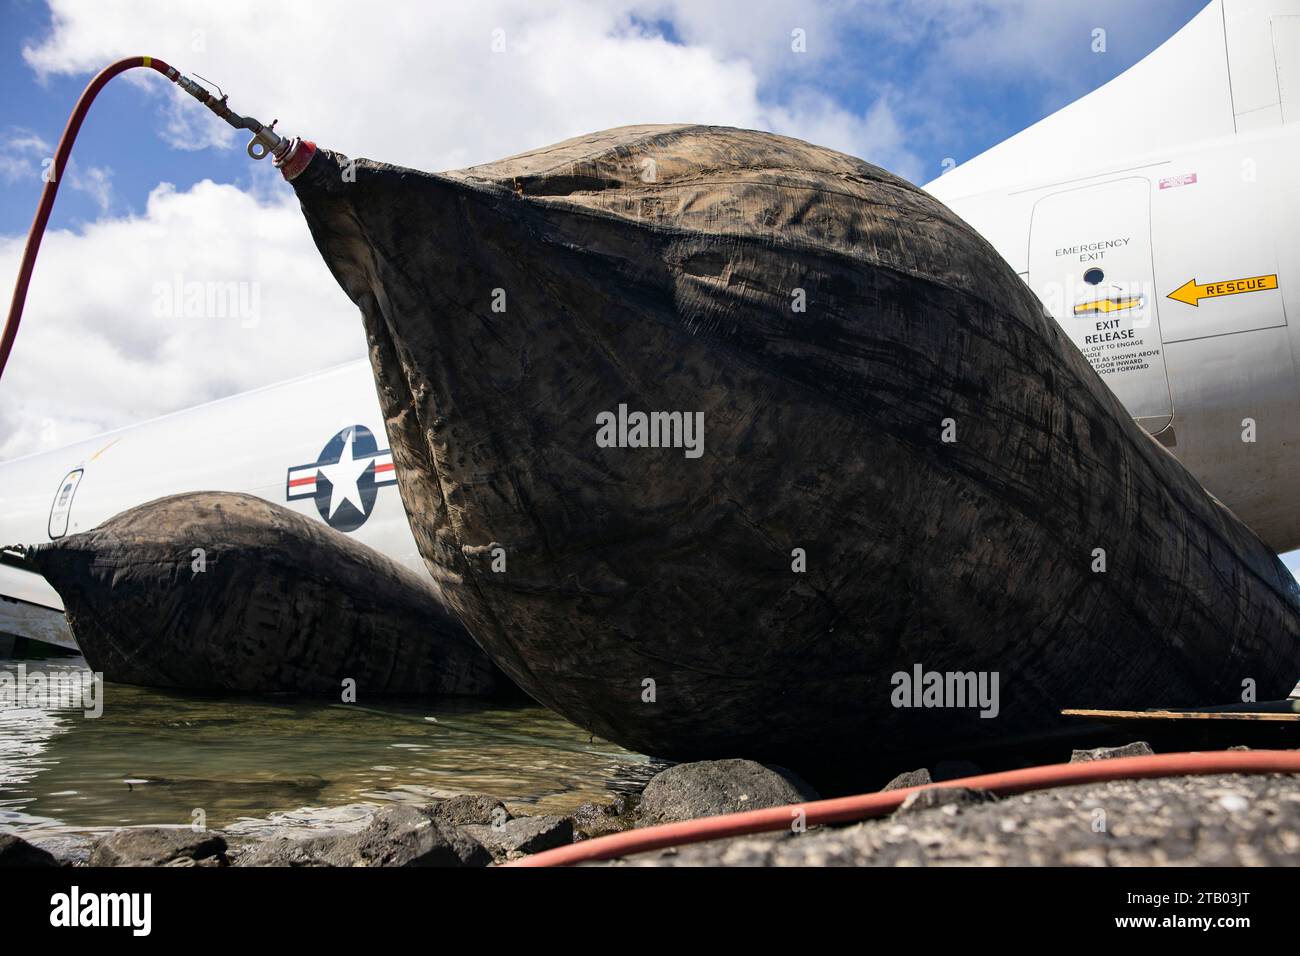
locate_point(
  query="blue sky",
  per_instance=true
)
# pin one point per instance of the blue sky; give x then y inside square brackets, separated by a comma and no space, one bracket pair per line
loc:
[119,136]
[908,56]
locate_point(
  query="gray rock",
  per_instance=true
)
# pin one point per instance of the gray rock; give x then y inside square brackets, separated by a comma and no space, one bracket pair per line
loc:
[68,849]
[396,836]
[936,797]
[524,835]
[156,846]
[15,851]
[283,851]
[593,820]
[468,808]
[469,851]
[913,778]
[1138,748]
[710,787]
[405,836]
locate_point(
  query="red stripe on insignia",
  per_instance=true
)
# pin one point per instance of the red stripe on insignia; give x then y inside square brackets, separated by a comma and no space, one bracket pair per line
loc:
[387,467]
[302,481]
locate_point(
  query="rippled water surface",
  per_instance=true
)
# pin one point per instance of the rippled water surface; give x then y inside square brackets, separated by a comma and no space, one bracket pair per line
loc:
[253,764]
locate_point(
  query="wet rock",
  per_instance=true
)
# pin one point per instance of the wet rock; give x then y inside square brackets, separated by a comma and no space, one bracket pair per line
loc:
[913,778]
[288,852]
[526,318]
[405,836]
[710,787]
[523,835]
[934,798]
[157,846]
[398,836]
[1139,748]
[68,849]
[228,592]
[593,820]
[15,851]
[468,808]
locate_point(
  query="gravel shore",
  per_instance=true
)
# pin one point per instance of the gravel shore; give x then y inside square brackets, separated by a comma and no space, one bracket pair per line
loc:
[1228,820]
[1215,820]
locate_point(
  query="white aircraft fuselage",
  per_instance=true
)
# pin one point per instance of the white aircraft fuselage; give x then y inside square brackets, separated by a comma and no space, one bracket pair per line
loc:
[1158,218]
[315,444]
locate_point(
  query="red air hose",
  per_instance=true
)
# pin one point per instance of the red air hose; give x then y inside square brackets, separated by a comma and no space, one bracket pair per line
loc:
[52,187]
[867,805]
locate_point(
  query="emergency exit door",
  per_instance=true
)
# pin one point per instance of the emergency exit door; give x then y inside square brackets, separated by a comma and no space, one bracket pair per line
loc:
[1090,263]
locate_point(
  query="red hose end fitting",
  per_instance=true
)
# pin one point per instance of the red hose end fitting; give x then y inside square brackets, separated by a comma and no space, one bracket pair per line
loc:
[293,162]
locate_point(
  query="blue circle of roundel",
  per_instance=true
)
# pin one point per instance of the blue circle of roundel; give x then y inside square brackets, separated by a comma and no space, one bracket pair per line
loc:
[344,480]
[346,515]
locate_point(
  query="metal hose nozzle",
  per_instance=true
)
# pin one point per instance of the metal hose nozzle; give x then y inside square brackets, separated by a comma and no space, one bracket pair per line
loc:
[265,140]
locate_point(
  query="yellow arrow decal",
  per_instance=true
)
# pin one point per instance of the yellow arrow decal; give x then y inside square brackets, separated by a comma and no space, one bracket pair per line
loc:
[1191,293]
[1108,305]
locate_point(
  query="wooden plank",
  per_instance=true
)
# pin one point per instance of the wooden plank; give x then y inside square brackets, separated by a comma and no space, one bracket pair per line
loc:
[1155,715]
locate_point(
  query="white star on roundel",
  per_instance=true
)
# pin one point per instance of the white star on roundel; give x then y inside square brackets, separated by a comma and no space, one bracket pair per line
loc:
[343,476]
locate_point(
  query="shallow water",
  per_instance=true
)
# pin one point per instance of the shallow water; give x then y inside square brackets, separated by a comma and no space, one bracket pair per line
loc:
[256,765]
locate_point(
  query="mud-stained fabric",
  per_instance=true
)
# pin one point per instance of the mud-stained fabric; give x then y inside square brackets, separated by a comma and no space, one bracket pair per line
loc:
[905,463]
[217,591]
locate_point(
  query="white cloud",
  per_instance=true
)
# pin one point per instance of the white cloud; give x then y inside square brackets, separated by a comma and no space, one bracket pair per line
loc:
[421,85]
[186,128]
[762,32]
[418,85]
[100,345]
[21,152]
[95,181]
[26,155]
[1037,45]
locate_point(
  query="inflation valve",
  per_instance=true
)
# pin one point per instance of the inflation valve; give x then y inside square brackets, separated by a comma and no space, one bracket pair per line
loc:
[265,140]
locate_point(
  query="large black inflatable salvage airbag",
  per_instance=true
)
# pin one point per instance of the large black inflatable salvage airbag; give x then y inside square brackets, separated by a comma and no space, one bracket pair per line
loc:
[723,444]
[217,591]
